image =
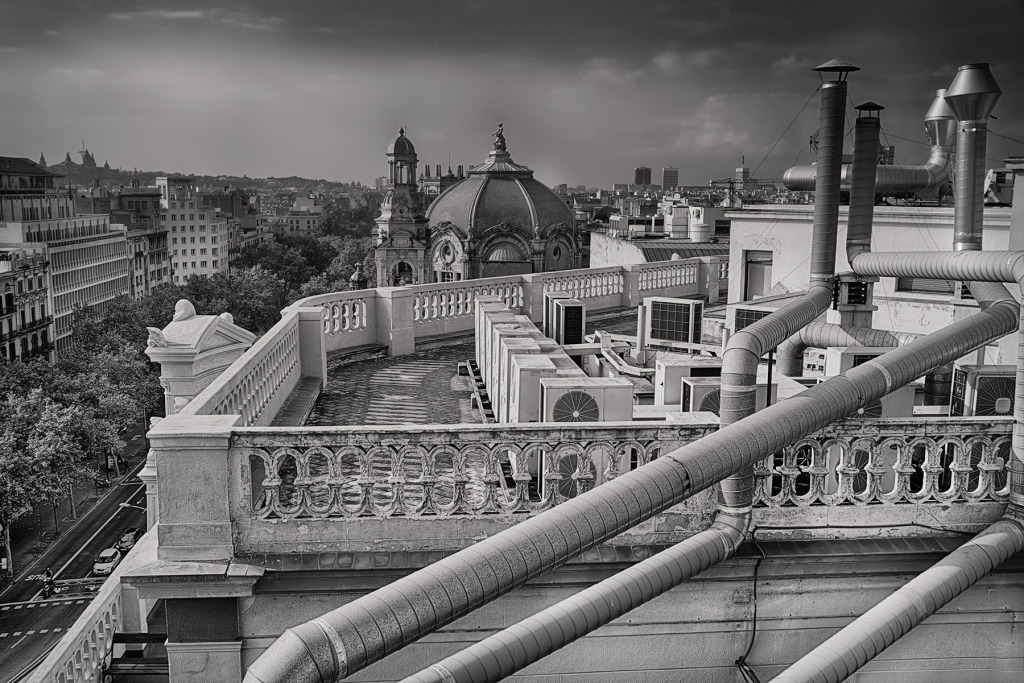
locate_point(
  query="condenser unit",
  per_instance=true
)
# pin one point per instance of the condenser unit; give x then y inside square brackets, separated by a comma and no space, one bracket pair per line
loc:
[548,311]
[982,390]
[669,372]
[703,394]
[570,320]
[586,399]
[524,386]
[674,320]
[839,359]
[742,316]
[899,403]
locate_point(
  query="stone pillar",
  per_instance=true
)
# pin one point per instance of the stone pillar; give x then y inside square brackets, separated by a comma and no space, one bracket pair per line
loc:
[195,493]
[203,640]
[709,269]
[312,346]
[193,350]
[148,476]
[533,296]
[394,320]
[631,297]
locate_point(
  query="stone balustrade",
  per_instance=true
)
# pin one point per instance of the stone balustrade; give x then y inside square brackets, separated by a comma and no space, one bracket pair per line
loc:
[257,384]
[78,657]
[899,470]
[397,316]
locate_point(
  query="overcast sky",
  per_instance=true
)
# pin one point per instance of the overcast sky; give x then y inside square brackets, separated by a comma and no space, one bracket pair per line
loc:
[587,89]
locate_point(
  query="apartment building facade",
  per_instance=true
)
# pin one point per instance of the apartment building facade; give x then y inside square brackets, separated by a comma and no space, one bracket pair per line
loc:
[199,234]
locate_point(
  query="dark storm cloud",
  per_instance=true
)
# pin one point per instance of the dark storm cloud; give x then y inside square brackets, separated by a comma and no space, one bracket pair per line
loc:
[586,89]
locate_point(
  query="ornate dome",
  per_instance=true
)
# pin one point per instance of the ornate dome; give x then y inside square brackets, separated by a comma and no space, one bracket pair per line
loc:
[401,144]
[500,193]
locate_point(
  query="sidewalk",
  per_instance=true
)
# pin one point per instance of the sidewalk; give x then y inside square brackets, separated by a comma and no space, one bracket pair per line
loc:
[33,532]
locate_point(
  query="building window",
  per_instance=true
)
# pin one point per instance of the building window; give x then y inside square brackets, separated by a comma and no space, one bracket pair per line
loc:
[203,264]
[757,279]
[215,263]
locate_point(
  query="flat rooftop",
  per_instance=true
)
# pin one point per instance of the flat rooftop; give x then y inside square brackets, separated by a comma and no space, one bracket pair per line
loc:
[421,388]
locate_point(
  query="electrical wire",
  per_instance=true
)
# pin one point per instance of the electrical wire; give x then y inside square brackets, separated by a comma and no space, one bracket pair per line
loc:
[748,674]
[772,148]
[1005,137]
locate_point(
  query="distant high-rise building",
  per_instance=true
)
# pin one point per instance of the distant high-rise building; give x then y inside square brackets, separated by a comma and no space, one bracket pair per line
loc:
[201,236]
[669,177]
[641,175]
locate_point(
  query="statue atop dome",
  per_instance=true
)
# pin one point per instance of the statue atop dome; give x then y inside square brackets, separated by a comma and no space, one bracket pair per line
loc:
[499,139]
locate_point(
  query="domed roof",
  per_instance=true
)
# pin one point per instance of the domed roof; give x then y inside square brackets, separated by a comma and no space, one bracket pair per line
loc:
[496,192]
[402,144]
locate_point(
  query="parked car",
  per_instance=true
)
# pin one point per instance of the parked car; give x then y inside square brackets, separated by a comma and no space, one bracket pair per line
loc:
[106,562]
[128,539]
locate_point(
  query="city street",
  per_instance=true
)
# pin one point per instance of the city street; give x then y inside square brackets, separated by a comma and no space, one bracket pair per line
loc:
[30,626]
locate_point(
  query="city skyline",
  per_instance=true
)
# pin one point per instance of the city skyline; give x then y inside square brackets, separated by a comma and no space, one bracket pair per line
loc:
[319,90]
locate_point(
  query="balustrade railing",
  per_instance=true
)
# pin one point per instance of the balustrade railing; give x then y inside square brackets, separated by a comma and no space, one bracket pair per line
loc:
[351,473]
[388,472]
[891,462]
[259,382]
[449,300]
[668,274]
[589,284]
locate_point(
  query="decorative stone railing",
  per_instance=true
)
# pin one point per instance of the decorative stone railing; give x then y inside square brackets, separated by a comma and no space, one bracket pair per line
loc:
[891,461]
[257,384]
[664,275]
[318,479]
[79,655]
[397,316]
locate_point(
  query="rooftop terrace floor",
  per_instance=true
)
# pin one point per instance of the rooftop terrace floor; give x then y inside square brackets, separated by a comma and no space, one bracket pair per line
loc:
[421,388]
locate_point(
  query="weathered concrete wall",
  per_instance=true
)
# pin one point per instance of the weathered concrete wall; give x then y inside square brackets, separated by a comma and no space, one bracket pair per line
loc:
[785,231]
[696,631]
[611,251]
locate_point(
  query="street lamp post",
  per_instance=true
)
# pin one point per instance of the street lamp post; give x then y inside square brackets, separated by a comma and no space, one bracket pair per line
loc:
[129,505]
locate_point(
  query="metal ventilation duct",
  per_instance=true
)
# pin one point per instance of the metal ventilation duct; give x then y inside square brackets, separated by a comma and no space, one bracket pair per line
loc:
[931,176]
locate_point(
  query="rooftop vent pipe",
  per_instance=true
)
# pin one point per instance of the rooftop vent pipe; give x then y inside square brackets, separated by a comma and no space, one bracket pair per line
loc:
[931,176]
[972,95]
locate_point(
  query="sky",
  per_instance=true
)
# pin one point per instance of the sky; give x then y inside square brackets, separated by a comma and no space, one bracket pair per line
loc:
[587,90]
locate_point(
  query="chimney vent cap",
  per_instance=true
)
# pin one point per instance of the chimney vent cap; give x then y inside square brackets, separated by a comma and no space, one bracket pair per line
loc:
[973,93]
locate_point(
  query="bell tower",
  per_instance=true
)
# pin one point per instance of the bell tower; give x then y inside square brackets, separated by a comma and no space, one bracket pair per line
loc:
[401,227]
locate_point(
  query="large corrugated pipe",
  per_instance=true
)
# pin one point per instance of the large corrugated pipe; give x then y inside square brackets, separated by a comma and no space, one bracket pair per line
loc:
[512,649]
[862,187]
[832,119]
[821,335]
[931,176]
[535,637]
[845,652]
[365,630]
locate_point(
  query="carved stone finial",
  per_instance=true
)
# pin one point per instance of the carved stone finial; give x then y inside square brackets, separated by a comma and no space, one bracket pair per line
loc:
[499,139]
[183,310]
[156,337]
[228,317]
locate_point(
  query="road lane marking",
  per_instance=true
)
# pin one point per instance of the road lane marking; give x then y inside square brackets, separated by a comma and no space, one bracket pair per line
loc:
[131,475]
[4,635]
[4,609]
[17,607]
[19,642]
[16,634]
[97,533]
[57,629]
[43,630]
[29,606]
[30,633]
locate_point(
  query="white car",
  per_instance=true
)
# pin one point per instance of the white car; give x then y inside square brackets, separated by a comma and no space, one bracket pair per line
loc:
[106,562]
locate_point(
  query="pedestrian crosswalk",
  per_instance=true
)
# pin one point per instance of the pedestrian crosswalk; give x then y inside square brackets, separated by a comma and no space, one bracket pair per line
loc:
[40,632]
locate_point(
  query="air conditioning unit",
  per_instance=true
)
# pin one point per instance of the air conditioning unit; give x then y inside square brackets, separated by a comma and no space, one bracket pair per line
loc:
[899,403]
[703,394]
[548,311]
[524,386]
[742,316]
[586,399]
[668,373]
[674,320]
[839,359]
[570,321]
[982,390]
